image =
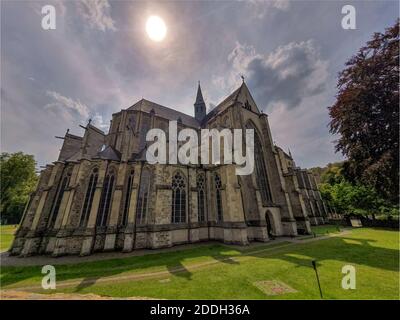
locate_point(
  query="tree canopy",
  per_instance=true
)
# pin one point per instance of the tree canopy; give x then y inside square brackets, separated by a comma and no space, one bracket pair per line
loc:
[18,180]
[351,197]
[366,114]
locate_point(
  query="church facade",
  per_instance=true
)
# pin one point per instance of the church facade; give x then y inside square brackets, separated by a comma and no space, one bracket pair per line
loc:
[102,195]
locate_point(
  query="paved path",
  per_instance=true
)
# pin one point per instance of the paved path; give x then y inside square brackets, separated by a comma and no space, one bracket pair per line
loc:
[248,254]
[25,295]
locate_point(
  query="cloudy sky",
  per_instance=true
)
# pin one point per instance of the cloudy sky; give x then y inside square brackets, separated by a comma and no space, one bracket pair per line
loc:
[100,60]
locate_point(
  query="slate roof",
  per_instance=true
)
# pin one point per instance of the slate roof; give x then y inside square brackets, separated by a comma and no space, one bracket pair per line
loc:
[109,153]
[164,112]
[227,102]
[171,114]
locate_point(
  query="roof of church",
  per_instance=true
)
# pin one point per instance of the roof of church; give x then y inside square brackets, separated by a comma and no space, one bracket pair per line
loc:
[164,112]
[109,153]
[227,102]
[172,114]
[286,154]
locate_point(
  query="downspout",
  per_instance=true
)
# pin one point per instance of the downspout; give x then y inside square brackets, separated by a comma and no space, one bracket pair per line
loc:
[189,202]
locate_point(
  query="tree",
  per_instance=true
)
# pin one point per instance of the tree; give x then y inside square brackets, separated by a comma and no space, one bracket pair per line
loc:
[366,114]
[18,180]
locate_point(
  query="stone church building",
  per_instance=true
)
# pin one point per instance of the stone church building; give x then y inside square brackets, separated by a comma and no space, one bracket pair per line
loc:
[102,195]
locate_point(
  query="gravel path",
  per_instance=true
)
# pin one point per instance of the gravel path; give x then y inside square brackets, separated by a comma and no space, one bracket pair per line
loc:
[24,295]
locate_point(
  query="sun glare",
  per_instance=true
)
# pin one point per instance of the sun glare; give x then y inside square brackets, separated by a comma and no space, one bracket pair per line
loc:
[156,28]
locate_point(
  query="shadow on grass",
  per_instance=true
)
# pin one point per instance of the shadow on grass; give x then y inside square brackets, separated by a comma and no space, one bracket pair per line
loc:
[348,250]
[92,271]
[86,283]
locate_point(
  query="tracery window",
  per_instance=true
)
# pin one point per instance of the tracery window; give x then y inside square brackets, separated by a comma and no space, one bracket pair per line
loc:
[143,197]
[261,171]
[57,200]
[127,198]
[201,197]
[218,195]
[105,200]
[87,205]
[178,198]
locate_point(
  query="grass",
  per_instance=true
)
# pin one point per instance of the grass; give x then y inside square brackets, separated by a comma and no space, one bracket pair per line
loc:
[232,274]
[6,236]
[325,229]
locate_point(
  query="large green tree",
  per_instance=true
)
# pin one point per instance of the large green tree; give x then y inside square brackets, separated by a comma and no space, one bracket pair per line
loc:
[351,198]
[366,114]
[17,180]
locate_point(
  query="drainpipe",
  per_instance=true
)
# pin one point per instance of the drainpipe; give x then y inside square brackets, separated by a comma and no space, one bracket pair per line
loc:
[189,202]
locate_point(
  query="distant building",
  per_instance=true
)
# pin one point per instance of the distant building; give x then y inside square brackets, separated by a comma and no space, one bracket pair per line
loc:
[101,194]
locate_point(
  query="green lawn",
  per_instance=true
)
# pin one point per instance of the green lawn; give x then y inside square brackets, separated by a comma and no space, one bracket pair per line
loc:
[231,274]
[6,236]
[325,229]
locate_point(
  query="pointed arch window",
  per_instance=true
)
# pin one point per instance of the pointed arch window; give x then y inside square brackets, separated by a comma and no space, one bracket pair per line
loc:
[87,205]
[218,196]
[142,202]
[201,197]
[105,200]
[178,198]
[127,198]
[261,171]
[64,182]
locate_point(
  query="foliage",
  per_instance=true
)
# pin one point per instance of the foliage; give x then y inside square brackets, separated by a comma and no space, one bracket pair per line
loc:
[352,198]
[18,180]
[366,114]
[7,236]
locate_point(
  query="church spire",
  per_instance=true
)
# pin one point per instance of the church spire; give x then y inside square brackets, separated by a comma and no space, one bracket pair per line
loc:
[199,97]
[199,105]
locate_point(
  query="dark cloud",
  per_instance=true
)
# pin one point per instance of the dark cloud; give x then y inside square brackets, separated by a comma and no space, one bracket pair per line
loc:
[286,76]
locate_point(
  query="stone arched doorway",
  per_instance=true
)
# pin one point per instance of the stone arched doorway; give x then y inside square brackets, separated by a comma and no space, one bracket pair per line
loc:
[269,219]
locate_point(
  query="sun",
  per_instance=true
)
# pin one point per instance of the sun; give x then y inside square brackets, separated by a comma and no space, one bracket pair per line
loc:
[156,28]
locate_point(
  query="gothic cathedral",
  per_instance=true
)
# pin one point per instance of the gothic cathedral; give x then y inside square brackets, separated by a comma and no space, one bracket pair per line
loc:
[102,195]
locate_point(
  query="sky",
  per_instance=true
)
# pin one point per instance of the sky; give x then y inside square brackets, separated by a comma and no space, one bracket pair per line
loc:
[99,60]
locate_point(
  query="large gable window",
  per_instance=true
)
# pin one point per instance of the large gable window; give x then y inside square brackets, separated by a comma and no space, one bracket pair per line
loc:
[261,171]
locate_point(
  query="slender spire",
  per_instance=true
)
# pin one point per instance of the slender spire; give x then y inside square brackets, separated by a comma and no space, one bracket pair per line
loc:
[199,97]
[199,105]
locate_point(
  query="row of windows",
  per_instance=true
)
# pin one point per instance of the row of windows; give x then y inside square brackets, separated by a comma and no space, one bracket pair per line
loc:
[178,198]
